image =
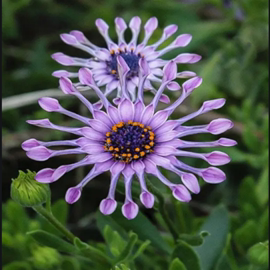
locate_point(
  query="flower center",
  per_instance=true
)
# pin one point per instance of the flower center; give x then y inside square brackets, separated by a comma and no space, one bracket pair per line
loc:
[129,141]
[130,58]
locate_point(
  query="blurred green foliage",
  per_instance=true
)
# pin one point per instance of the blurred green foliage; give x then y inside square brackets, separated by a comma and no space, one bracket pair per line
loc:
[233,40]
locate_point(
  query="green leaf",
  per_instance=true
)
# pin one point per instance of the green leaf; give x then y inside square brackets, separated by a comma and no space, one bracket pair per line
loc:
[187,255]
[262,187]
[141,249]
[16,214]
[258,254]
[126,253]
[17,266]
[223,263]
[114,240]
[217,224]
[194,240]
[70,263]
[60,211]
[50,240]
[176,264]
[246,235]
[140,225]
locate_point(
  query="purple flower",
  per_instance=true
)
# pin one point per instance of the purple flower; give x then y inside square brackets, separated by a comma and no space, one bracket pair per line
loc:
[104,62]
[132,139]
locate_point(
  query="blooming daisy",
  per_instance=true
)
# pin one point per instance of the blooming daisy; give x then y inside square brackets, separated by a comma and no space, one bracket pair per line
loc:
[132,139]
[103,61]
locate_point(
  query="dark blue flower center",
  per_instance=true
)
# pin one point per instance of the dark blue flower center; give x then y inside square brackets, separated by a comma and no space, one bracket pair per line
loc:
[129,141]
[131,59]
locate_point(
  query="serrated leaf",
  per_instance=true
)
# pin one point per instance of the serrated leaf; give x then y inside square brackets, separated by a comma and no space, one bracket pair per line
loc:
[258,254]
[53,241]
[217,224]
[176,264]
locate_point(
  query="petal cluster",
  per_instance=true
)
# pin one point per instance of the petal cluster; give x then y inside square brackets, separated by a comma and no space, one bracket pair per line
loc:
[164,146]
[104,62]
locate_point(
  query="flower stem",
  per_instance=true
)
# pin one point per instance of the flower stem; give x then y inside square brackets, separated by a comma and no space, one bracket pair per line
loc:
[161,207]
[56,223]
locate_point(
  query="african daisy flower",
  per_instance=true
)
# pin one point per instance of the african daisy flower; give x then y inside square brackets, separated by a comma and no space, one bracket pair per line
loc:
[103,62]
[132,139]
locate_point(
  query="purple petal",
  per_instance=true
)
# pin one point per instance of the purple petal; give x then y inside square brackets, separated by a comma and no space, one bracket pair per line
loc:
[213,175]
[78,35]
[98,126]
[107,206]
[147,114]
[69,39]
[217,158]
[39,153]
[147,199]
[182,40]
[187,58]
[102,26]
[144,67]
[159,119]
[84,141]
[114,115]
[168,126]
[117,100]
[165,99]
[170,71]
[164,150]
[29,144]
[151,25]
[138,109]
[67,86]
[191,182]
[105,162]
[49,104]
[128,172]
[219,125]
[191,84]
[150,167]
[40,123]
[93,149]
[120,24]
[122,66]
[159,161]
[166,136]
[135,23]
[130,210]
[62,59]
[73,195]
[50,175]
[138,166]
[170,30]
[92,134]
[126,110]
[117,168]
[226,142]
[86,76]
[103,117]
[98,105]
[181,193]
[213,104]
[173,86]
[186,74]
[61,73]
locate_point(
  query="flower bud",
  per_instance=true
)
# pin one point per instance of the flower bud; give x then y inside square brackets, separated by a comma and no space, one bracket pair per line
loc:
[26,191]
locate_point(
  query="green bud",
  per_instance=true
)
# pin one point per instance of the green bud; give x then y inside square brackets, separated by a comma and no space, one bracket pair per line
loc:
[45,258]
[26,191]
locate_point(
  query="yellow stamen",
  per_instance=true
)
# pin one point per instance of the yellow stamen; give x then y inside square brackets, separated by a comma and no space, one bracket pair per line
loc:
[135,156]
[147,147]
[137,149]
[151,143]
[142,154]
[108,134]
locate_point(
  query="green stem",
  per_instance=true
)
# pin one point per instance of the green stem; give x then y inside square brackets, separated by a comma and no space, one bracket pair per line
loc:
[56,223]
[162,210]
